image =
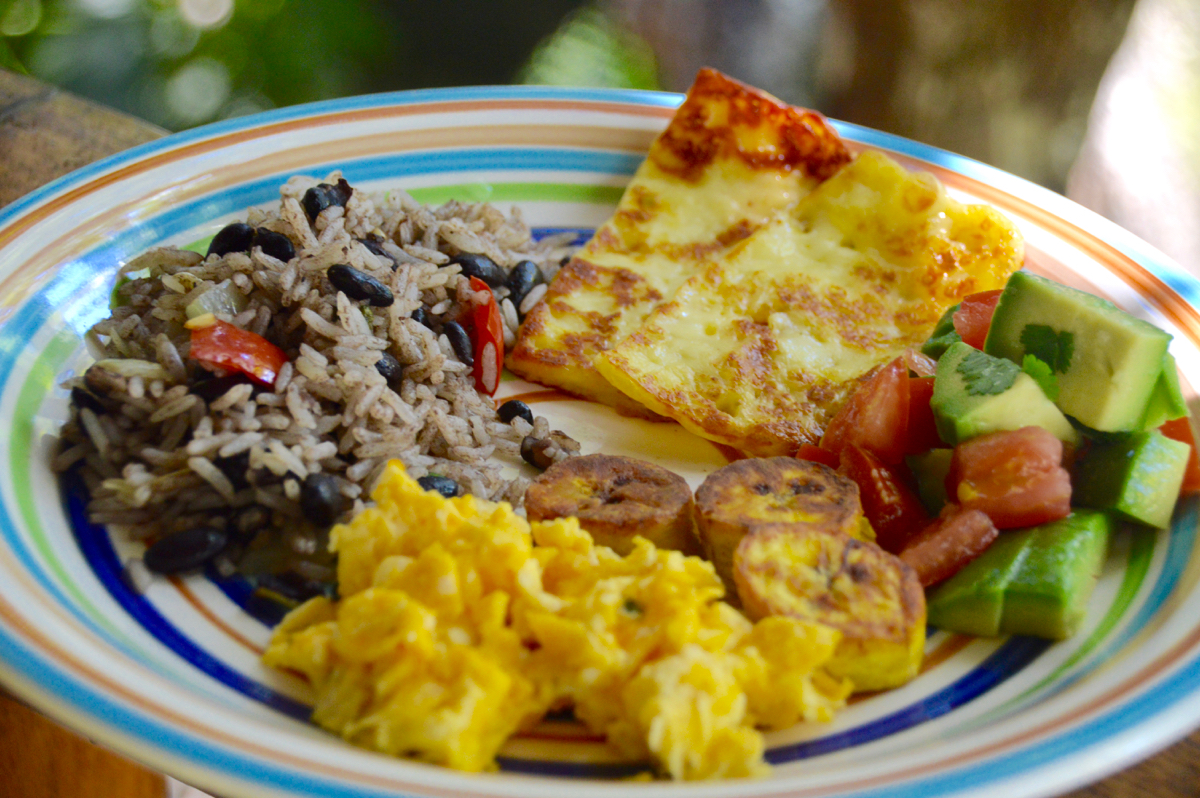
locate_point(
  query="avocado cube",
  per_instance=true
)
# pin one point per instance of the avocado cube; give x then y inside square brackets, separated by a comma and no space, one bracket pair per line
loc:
[930,468]
[1166,400]
[975,393]
[942,336]
[1107,362]
[1049,593]
[1138,476]
[972,601]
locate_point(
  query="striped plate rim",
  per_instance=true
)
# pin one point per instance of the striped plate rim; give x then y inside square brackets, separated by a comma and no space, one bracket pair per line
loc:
[1138,264]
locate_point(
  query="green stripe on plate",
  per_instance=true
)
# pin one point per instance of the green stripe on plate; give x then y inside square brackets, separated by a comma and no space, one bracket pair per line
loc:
[41,378]
[519,192]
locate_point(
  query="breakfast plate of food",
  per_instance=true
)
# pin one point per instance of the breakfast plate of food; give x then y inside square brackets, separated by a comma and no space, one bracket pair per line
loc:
[506,441]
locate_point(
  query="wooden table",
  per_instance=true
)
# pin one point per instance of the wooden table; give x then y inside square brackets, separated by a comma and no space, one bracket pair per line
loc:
[45,133]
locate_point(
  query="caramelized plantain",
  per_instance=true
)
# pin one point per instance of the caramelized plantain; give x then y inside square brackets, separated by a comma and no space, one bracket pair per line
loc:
[873,598]
[616,499]
[749,493]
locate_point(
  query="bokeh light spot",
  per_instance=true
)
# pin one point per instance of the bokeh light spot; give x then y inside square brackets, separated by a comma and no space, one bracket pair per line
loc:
[198,90]
[107,9]
[21,17]
[206,13]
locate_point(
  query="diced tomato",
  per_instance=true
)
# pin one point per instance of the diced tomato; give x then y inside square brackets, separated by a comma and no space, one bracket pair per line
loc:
[950,542]
[921,434]
[974,316]
[874,415]
[920,364]
[816,454]
[488,337]
[222,345]
[895,512]
[1016,477]
[1181,430]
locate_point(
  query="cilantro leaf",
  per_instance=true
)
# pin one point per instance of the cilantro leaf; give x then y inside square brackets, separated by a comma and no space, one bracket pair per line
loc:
[1042,374]
[1048,345]
[984,375]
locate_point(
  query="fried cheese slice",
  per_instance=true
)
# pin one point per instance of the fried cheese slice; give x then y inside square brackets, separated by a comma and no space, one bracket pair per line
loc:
[731,157]
[761,348]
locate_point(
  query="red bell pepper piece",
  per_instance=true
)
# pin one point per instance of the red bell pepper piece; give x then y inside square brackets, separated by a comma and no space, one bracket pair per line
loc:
[488,334]
[222,345]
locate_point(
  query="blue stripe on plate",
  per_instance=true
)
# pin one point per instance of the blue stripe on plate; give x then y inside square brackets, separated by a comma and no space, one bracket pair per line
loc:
[84,698]
[1006,661]
[1179,686]
[98,551]
[1181,541]
[85,280]
[345,104]
[94,541]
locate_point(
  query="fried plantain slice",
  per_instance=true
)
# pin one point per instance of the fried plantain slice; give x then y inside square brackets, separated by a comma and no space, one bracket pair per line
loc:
[616,499]
[749,493]
[873,598]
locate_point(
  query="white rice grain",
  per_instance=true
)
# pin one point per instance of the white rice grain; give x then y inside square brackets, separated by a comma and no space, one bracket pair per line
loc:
[532,298]
[212,475]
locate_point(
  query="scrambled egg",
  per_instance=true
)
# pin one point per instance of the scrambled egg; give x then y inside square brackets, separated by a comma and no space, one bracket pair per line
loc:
[460,624]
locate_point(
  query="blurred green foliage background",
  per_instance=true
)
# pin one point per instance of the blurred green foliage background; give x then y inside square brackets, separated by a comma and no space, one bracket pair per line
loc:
[181,63]
[1009,82]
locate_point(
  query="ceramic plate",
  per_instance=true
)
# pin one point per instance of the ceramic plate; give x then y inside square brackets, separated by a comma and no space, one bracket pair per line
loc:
[171,676]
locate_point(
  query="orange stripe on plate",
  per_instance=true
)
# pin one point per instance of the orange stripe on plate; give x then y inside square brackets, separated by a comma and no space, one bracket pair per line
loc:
[212,618]
[340,117]
[97,228]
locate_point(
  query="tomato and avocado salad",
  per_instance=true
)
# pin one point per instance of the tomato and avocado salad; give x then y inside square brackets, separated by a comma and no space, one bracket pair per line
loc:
[999,460]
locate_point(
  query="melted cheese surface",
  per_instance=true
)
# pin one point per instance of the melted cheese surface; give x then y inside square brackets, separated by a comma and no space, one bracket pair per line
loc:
[761,347]
[731,158]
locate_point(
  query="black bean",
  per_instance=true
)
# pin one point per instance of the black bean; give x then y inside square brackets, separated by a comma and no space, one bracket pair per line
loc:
[536,452]
[210,388]
[235,468]
[323,195]
[185,550]
[81,397]
[460,342]
[513,408]
[421,316]
[390,368]
[359,285]
[321,500]
[277,245]
[439,484]
[481,266]
[342,190]
[236,237]
[377,249]
[524,276]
